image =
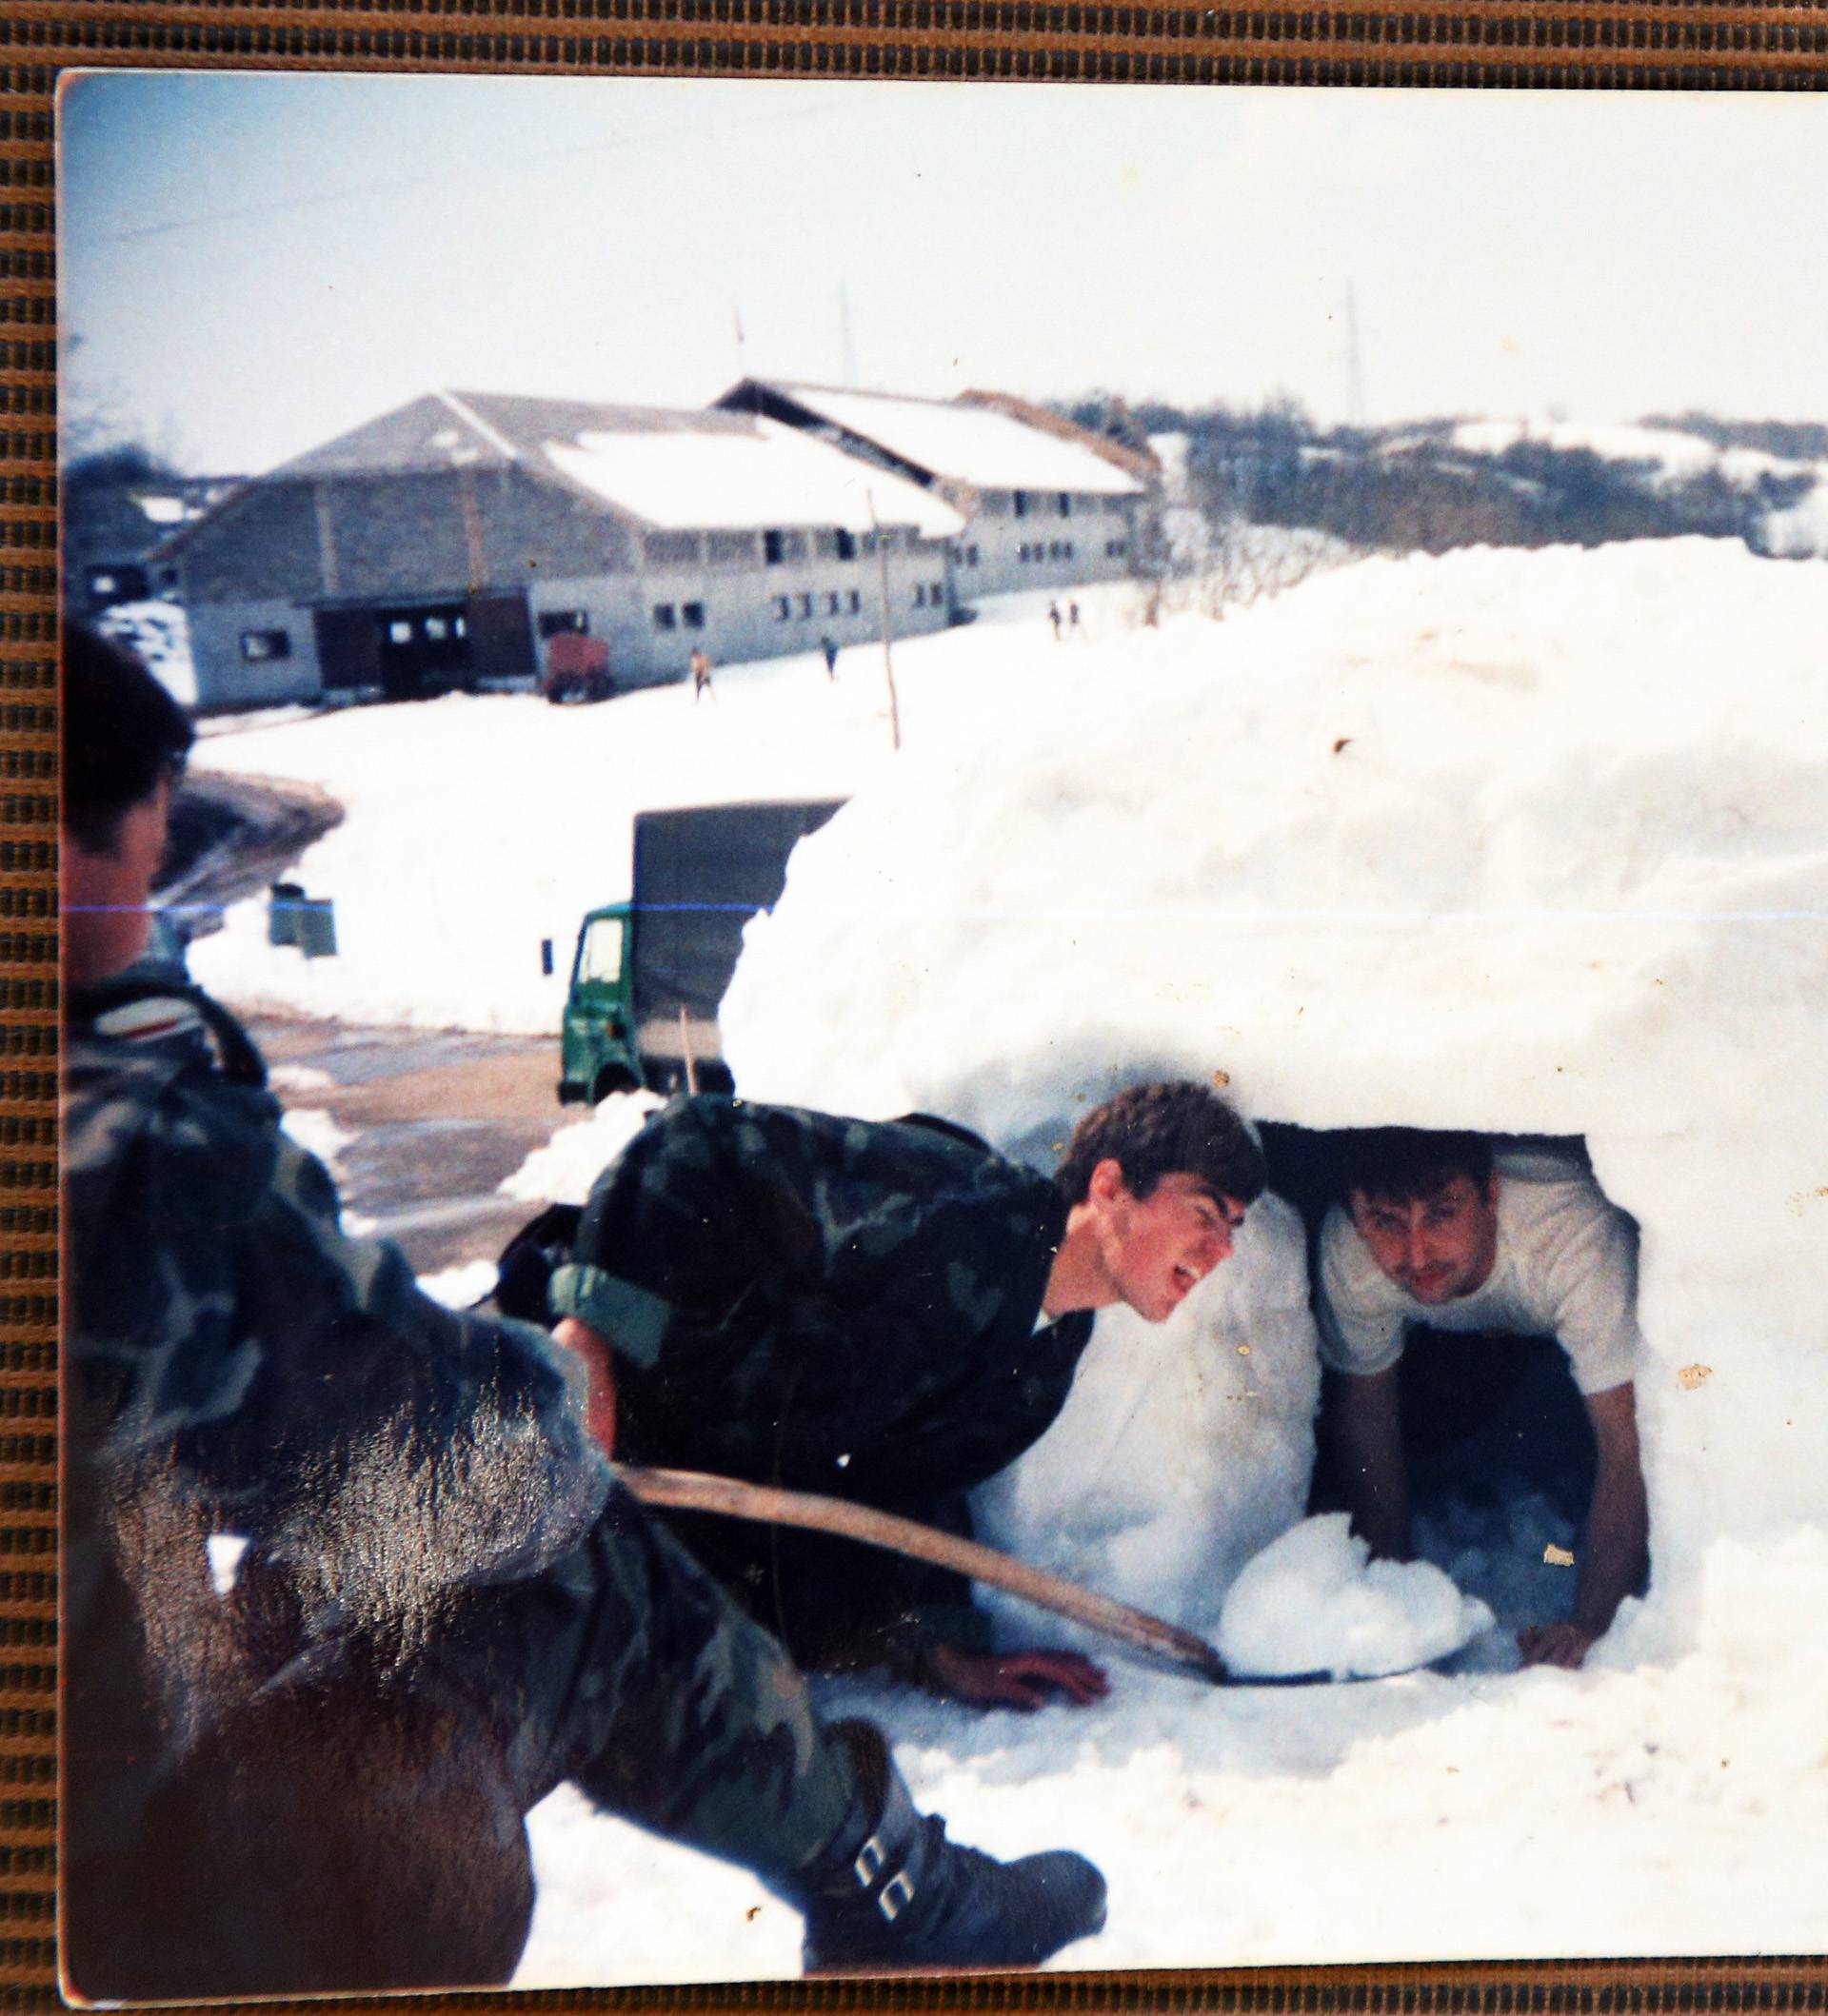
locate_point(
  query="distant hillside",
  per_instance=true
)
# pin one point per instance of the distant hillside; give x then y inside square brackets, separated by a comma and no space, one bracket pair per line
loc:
[1435,485]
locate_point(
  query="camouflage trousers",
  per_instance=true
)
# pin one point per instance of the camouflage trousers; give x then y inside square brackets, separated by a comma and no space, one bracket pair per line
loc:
[365,1829]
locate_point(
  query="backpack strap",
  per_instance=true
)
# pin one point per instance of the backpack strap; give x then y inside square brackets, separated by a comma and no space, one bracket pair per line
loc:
[240,1060]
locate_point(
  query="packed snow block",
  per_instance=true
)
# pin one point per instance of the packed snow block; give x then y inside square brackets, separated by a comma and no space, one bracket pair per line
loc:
[1533,843]
[1314,1601]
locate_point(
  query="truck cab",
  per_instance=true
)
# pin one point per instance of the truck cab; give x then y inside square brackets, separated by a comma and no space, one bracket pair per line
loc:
[648,974]
[597,1046]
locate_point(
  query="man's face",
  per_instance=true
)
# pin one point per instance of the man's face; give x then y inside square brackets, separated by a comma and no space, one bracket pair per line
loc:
[106,896]
[1157,1248]
[1437,1247]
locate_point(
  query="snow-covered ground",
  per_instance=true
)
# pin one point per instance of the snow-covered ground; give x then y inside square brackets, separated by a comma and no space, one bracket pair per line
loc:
[1524,841]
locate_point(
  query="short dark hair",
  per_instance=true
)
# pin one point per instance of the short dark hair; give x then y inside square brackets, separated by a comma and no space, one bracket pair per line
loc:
[1399,1165]
[122,732]
[1152,1131]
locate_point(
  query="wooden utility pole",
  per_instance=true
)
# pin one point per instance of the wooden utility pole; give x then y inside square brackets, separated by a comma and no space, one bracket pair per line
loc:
[889,660]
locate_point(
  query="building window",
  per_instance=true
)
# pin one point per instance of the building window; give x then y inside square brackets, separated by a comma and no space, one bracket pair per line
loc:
[782,608]
[855,600]
[1064,504]
[847,546]
[437,628]
[555,622]
[805,605]
[919,594]
[831,604]
[692,614]
[1066,547]
[672,549]
[257,646]
[666,616]
[729,549]
[400,631]
[1022,503]
[774,547]
[970,556]
[936,593]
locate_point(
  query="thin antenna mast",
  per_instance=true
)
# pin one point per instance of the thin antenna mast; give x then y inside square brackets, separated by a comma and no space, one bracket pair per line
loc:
[1354,362]
[849,349]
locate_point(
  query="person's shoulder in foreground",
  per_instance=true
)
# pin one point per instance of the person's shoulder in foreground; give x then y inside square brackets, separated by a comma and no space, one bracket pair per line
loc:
[319,1655]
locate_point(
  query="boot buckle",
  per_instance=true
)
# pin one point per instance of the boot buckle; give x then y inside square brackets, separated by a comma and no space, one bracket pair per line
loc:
[870,1862]
[897,1892]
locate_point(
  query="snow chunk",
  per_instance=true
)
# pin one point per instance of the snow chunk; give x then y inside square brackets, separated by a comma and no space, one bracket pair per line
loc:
[1314,1601]
[460,1287]
[564,1170]
[317,1133]
[224,1551]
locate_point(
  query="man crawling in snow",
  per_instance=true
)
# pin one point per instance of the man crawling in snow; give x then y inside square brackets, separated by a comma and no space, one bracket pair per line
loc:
[1432,1232]
[888,1312]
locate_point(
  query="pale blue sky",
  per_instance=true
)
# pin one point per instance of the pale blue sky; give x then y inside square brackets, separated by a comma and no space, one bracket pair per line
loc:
[254,263]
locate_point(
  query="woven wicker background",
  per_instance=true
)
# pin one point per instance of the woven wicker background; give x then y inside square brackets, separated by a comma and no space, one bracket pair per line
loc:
[1658,44]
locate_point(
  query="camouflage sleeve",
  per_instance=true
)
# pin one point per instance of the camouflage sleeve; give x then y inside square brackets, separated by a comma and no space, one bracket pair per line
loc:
[705,1208]
[835,1306]
[315,1403]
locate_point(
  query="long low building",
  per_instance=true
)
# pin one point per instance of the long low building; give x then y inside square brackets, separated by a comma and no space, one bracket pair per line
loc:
[1046,503]
[444,542]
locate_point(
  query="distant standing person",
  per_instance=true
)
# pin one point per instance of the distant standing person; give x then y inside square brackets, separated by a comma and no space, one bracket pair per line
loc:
[700,675]
[1072,616]
[829,646]
[1053,617]
[1433,1231]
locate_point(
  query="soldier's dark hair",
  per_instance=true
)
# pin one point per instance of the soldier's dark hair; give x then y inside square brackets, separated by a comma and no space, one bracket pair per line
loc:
[122,732]
[1400,1165]
[1154,1131]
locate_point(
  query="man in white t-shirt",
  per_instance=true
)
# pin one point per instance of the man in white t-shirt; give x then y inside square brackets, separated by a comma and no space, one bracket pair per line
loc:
[1433,1232]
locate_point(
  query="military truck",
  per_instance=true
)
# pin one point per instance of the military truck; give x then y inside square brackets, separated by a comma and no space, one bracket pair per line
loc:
[648,974]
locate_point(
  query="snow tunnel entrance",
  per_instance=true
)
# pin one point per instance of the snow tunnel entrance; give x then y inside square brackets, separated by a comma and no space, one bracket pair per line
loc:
[1498,1450]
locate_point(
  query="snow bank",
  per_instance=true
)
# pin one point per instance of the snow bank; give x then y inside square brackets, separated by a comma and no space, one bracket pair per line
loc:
[1521,841]
[478,826]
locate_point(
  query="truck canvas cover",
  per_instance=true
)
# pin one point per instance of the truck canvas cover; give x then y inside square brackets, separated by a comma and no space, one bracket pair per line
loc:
[699,873]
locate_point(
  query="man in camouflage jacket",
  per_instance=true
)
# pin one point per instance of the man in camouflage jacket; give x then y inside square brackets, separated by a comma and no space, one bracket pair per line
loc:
[888,1312]
[348,1583]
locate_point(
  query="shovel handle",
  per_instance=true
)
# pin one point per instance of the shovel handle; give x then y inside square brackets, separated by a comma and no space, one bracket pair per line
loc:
[693,1491]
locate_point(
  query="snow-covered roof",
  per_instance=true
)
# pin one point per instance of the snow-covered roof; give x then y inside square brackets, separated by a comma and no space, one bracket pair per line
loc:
[445,430]
[968,441]
[670,468]
[753,472]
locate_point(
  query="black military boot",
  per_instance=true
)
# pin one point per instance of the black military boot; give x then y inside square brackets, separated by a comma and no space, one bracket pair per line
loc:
[892,1892]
